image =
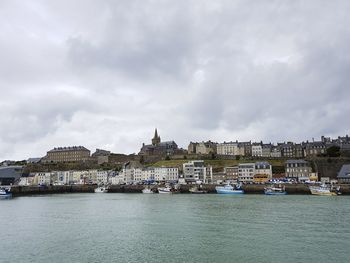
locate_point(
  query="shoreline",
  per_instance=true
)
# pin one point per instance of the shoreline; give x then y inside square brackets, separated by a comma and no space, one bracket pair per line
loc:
[291,189]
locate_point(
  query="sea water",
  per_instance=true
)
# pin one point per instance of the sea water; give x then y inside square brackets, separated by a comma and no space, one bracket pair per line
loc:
[175,228]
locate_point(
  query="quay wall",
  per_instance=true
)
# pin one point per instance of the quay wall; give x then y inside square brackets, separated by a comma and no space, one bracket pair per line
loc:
[210,188]
[54,189]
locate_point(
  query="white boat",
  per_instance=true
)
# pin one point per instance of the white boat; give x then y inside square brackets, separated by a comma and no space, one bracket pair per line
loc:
[165,190]
[324,190]
[275,190]
[197,190]
[5,192]
[147,191]
[101,189]
[228,189]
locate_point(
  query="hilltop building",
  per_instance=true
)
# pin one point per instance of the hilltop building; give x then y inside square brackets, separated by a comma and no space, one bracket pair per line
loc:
[68,154]
[158,147]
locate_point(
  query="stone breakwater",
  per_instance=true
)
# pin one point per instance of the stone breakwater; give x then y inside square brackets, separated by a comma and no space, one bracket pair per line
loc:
[210,188]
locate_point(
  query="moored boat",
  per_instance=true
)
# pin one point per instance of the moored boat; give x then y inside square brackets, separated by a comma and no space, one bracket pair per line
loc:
[228,189]
[167,190]
[275,190]
[147,191]
[324,190]
[5,193]
[197,190]
[101,189]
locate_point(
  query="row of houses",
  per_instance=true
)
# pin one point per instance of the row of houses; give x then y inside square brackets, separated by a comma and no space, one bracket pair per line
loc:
[192,172]
[66,177]
[269,150]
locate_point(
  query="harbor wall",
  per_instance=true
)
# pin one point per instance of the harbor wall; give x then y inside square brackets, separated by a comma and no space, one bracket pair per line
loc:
[210,188]
[54,189]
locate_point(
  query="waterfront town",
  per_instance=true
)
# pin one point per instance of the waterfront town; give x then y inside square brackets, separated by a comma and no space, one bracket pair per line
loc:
[326,160]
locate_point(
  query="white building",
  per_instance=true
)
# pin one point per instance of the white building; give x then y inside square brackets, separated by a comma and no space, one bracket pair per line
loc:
[27,180]
[102,177]
[227,148]
[166,174]
[79,177]
[246,172]
[64,177]
[196,171]
[117,178]
[263,171]
[42,178]
[257,149]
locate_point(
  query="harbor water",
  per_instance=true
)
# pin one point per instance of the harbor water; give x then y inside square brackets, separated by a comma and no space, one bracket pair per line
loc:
[175,228]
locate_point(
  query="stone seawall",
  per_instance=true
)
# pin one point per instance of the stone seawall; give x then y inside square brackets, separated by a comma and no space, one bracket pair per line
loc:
[57,189]
[210,188]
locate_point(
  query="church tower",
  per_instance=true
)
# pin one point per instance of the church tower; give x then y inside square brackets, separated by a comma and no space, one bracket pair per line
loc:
[156,138]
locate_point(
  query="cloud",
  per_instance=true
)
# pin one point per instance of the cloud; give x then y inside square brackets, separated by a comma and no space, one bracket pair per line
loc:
[105,74]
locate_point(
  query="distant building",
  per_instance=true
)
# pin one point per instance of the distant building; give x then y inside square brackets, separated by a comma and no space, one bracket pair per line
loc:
[298,150]
[276,151]
[196,171]
[208,147]
[247,148]
[246,172]
[257,149]
[159,148]
[166,174]
[314,148]
[286,150]
[43,178]
[27,179]
[230,148]
[192,147]
[231,173]
[102,177]
[218,177]
[263,172]
[63,177]
[298,169]
[344,174]
[101,156]
[68,154]
[266,150]
[34,160]
[10,174]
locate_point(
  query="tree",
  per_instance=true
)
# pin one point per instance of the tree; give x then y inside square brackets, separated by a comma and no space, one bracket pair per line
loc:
[333,151]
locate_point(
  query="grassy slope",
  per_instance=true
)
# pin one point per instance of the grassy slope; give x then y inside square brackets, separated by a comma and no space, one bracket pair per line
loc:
[216,164]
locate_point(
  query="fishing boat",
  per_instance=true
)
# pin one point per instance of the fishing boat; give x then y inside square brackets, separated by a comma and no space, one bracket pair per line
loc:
[197,190]
[275,190]
[167,190]
[229,189]
[5,193]
[101,189]
[324,190]
[147,190]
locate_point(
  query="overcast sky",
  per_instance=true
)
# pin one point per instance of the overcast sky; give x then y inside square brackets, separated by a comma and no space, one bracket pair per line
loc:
[104,74]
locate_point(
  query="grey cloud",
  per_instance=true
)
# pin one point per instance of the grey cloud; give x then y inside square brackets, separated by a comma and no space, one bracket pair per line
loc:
[104,74]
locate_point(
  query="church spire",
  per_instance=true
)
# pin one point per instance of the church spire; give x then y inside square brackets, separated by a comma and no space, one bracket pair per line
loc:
[156,138]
